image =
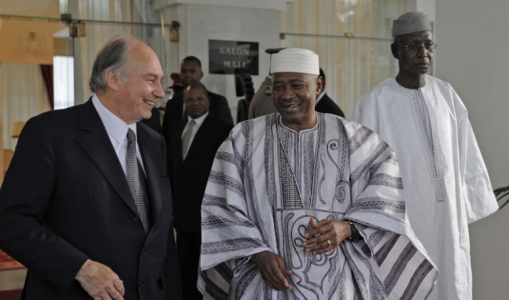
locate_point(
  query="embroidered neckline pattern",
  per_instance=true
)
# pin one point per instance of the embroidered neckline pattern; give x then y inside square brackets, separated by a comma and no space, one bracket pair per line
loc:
[293,196]
[435,167]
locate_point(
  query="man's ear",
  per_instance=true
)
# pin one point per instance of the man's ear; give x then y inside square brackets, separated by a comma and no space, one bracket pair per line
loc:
[319,85]
[113,81]
[201,74]
[395,50]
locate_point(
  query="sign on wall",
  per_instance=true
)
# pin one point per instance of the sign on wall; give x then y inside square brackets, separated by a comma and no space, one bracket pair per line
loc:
[233,57]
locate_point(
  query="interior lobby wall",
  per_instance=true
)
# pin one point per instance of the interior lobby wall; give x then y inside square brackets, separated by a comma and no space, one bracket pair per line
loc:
[472,56]
[201,23]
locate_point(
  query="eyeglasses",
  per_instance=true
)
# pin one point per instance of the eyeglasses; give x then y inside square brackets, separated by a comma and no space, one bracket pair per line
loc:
[414,47]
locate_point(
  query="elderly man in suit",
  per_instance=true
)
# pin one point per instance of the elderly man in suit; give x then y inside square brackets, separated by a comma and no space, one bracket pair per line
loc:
[95,220]
[192,149]
[190,72]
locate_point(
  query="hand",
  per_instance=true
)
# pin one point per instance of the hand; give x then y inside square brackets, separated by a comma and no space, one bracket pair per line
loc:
[326,235]
[100,282]
[273,270]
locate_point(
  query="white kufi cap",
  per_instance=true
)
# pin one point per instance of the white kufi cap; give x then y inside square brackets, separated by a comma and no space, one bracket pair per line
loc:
[295,60]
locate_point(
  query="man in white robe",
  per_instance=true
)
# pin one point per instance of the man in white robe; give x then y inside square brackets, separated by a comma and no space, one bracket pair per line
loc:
[445,179]
[303,205]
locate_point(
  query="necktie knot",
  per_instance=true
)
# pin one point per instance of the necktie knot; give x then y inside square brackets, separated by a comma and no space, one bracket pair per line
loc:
[131,136]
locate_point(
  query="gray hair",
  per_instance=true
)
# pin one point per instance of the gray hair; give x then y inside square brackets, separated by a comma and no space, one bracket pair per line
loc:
[112,57]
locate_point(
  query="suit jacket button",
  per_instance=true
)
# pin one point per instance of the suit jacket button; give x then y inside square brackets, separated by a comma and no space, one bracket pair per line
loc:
[140,284]
[136,219]
[143,251]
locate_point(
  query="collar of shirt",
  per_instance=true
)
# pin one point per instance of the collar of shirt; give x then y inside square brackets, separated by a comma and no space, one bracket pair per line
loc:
[199,120]
[116,128]
[319,97]
[117,131]
[283,126]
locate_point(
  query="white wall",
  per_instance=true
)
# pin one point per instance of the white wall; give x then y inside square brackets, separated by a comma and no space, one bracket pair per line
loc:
[427,7]
[473,44]
[202,22]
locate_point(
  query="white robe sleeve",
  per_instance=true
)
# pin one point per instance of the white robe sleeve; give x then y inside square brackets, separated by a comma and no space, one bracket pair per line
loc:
[477,192]
[228,231]
[378,206]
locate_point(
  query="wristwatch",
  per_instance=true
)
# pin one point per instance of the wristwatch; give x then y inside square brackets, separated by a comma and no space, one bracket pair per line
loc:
[355,233]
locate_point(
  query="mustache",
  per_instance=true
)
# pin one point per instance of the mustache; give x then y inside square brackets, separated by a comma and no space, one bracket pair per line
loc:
[288,104]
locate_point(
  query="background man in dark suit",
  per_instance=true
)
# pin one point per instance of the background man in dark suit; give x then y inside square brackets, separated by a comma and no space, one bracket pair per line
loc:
[85,205]
[154,121]
[324,104]
[192,149]
[190,72]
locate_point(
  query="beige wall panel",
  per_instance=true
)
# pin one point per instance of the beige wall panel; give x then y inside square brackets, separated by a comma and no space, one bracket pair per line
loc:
[34,8]
[27,41]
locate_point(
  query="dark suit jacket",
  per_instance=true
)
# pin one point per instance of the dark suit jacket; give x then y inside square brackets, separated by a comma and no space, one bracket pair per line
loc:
[173,113]
[154,121]
[326,105]
[65,199]
[189,177]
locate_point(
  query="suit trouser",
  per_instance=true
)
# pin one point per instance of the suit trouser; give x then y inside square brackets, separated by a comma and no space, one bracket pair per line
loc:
[188,248]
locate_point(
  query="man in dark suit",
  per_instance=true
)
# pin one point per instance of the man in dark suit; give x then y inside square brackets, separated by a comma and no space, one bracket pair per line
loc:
[154,121]
[324,104]
[190,72]
[192,149]
[86,202]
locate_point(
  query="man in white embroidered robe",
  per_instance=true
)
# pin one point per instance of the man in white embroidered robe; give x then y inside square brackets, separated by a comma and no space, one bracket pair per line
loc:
[446,182]
[287,191]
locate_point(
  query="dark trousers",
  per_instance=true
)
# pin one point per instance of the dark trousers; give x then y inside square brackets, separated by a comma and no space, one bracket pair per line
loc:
[188,248]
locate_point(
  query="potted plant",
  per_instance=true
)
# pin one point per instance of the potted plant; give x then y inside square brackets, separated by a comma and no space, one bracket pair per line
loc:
[502,195]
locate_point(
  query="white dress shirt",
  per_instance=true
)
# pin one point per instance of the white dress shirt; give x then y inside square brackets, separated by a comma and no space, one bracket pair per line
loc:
[198,122]
[117,131]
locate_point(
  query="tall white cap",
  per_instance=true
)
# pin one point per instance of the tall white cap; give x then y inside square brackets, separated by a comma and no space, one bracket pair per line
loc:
[295,60]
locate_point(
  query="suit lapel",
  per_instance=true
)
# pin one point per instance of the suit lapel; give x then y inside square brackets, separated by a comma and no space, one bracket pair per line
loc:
[177,141]
[148,151]
[98,146]
[321,103]
[179,109]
